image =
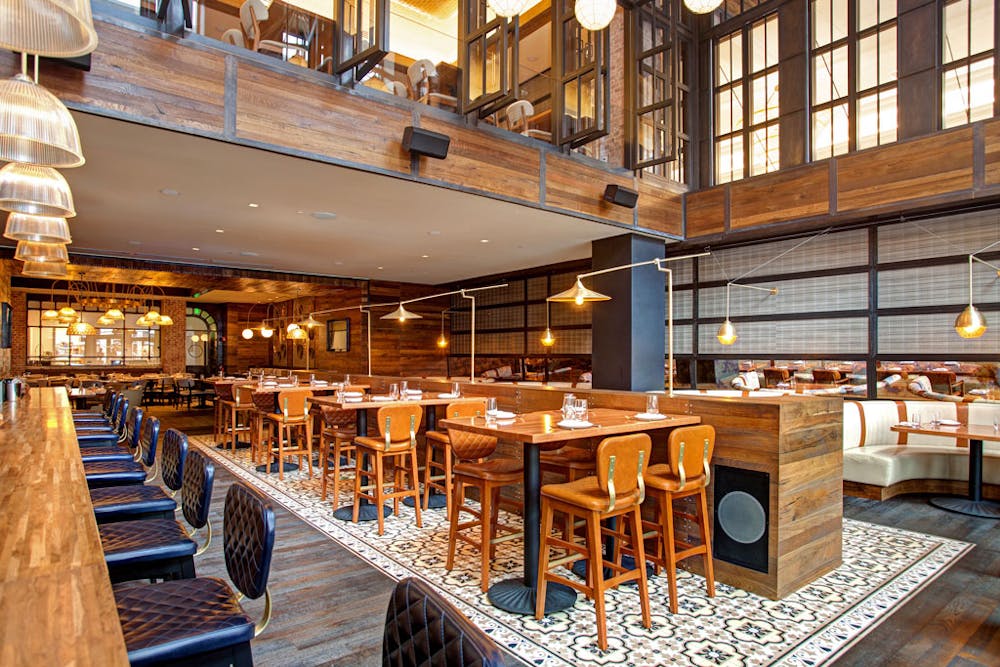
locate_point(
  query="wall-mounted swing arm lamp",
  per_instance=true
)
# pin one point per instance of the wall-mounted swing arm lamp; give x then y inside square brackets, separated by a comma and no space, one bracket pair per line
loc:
[579,294]
[727,332]
[971,323]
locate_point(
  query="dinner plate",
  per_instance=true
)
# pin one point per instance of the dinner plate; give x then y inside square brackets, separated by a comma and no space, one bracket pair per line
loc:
[447,395]
[352,399]
[948,422]
[650,416]
[414,392]
[501,414]
[382,399]
[574,423]
[505,422]
[353,394]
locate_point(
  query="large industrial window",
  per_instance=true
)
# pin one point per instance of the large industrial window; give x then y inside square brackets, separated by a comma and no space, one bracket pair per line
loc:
[853,75]
[746,101]
[121,343]
[968,73]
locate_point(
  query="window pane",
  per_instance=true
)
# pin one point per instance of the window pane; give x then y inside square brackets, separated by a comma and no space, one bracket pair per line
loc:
[840,78]
[728,160]
[822,78]
[955,33]
[887,117]
[955,86]
[981,26]
[867,14]
[839,19]
[841,129]
[764,150]
[772,41]
[981,90]
[886,10]
[887,55]
[820,22]
[867,62]
[868,121]
[822,134]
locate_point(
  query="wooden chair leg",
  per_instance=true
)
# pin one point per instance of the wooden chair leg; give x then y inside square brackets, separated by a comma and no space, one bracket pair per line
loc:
[670,554]
[543,559]
[485,530]
[282,430]
[707,541]
[415,486]
[447,481]
[379,500]
[324,466]
[359,473]
[428,461]
[596,563]
[458,501]
[309,447]
[640,563]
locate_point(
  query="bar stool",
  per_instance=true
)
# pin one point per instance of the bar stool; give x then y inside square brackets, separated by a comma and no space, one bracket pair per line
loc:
[122,473]
[244,394]
[239,408]
[336,439]
[293,418]
[439,441]
[689,452]
[264,403]
[399,424]
[616,490]
[488,477]
[120,445]
[572,463]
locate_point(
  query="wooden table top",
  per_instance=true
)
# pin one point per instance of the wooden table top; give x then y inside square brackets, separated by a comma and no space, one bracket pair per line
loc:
[969,432]
[542,427]
[56,604]
[366,403]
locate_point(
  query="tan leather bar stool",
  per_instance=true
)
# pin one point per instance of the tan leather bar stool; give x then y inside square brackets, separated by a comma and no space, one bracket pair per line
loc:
[261,429]
[252,416]
[438,441]
[336,438]
[293,419]
[224,401]
[686,473]
[572,463]
[399,425]
[616,490]
[489,477]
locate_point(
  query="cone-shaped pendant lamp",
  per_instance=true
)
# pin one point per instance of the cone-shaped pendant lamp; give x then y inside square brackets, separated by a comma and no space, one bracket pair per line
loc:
[35,126]
[578,294]
[402,314]
[44,270]
[54,28]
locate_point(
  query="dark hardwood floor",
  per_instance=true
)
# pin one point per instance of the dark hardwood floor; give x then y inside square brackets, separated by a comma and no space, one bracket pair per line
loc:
[329,605]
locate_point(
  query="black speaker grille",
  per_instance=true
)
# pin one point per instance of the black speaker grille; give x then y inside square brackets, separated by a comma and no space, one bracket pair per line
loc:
[741,517]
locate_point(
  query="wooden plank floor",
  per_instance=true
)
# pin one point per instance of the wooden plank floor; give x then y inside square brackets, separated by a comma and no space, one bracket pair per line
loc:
[330,605]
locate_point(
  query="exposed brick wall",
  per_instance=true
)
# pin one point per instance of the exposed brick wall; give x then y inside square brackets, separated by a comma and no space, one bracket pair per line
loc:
[5,354]
[19,332]
[173,339]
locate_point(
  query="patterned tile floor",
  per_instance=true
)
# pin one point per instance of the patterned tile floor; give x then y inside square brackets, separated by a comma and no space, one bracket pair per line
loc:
[883,568]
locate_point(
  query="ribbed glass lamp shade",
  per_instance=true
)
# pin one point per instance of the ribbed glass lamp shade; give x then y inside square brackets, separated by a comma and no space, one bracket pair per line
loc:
[80,329]
[115,313]
[507,8]
[595,14]
[35,190]
[292,326]
[54,28]
[67,311]
[152,315]
[45,270]
[970,323]
[35,126]
[702,6]
[39,228]
[30,251]
[105,321]
[548,340]
[141,321]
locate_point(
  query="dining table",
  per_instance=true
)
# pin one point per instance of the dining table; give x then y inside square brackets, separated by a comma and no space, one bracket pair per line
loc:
[428,400]
[973,504]
[537,431]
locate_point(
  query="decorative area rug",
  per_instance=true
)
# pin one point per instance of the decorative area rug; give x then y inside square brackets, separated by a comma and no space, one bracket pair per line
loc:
[883,568]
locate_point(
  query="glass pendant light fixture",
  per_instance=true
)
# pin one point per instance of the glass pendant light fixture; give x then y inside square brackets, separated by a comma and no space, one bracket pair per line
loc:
[35,126]
[80,329]
[54,28]
[578,294]
[507,8]
[44,270]
[702,6]
[105,321]
[266,331]
[548,340]
[165,321]
[35,190]
[297,333]
[971,323]
[595,14]
[442,342]
[141,321]
[37,228]
[292,326]
[727,332]
[30,251]
[247,334]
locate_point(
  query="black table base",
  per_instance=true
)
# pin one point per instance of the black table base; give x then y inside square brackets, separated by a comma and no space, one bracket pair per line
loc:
[984,509]
[273,467]
[366,512]
[435,501]
[512,595]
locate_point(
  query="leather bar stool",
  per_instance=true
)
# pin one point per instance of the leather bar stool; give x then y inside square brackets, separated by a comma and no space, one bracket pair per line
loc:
[399,425]
[200,621]
[438,441]
[572,463]
[102,416]
[616,490]
[489,477]
[422,628]
[163,548]
[101,430]
[225,401]
[108,448]
[238,414]
[122,473]
[336,439]
[252,415]
[686,473]
[292,420]
[260,427]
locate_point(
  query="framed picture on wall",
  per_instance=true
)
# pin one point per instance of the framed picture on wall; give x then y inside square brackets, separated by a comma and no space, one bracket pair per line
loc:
[338,335]
[5,325]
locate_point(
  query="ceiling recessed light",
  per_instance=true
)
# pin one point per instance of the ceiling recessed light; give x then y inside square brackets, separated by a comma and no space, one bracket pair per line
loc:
[424,256]
[169,192]
[379,268]
[254,205]
[323,215]
[196,249]
[300,212]
[484,240]
[220,231]
[135,242]
[434,232]
[338,263]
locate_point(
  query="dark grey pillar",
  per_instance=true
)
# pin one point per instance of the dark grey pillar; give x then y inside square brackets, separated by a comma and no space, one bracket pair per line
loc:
[629,330]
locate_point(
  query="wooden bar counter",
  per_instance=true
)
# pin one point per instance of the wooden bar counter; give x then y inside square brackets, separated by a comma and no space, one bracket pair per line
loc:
[56,604]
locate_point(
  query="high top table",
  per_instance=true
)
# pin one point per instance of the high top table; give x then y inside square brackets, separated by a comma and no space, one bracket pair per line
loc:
[973,505]
[537,431]
[56,603]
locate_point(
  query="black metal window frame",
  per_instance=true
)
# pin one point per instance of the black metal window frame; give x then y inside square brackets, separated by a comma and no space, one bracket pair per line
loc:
[477,31]
[593,49]
[948,68]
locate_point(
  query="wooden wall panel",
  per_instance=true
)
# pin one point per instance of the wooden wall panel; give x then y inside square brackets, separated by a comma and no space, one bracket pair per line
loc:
[143,77]
[481,161]
[788,195]
[576,187]
[240,354]
[407,347]
[991,142]
[316,119]
[900,173]
[706,212]
[660,205]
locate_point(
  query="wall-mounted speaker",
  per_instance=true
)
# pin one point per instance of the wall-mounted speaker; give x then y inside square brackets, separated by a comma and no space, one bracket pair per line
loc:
[742,521]
[425,142]
[622,196]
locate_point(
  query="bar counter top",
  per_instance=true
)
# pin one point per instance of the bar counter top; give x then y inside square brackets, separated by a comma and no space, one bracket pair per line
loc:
[56,603]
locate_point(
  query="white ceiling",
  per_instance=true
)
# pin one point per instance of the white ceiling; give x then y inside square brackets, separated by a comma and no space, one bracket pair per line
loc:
[383,225]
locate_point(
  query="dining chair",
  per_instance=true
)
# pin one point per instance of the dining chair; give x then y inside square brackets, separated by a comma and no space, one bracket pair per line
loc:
[519,115]
[291,424]
[200,621]
[104,447]
[423,76]
[252,14]
[687,473]
[438,442]
[397,446]
[617,490]
[336,441]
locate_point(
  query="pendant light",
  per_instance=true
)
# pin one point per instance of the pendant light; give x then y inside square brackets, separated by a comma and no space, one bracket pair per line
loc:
[401,314]
[507,8]
[578,294]
[35,126]
[595,15]
[35,190]
[971,323]
[54,28]
[247,334]
[105,321]
[442,342]
[292,326]
[727,332]
[30,251]
[165,321]
[115,313]
[266,331]
[80,329]
[44,270]
[37,228]
[702,6]
[548,340]
[297,333]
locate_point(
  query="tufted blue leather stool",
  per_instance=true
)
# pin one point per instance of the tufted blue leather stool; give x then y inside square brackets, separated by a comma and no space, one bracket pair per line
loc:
[120,473]
[162,548]
[422,629]
[134,501]
[95,434]
[103,416]
[200,621]
[99,450]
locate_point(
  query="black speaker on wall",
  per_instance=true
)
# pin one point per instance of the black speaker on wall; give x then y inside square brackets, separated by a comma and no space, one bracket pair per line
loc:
[617,194]
[741,517]
[425,142]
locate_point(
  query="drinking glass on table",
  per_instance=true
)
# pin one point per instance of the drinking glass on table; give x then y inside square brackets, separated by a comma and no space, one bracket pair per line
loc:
[652,404]
[580,410]
[491,405]
[455,390]
[915,419]
[403,388]
[347,379]
[567,406]
[393,391]
[996,423]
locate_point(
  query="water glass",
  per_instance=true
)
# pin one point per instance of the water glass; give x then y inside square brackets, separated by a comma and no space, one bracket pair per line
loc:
[580,412]
[455,390]
[567,406]
[347,379]
[393,391]
[652,404]
[915,419]
[402,388]
[491,406]
[935,418]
